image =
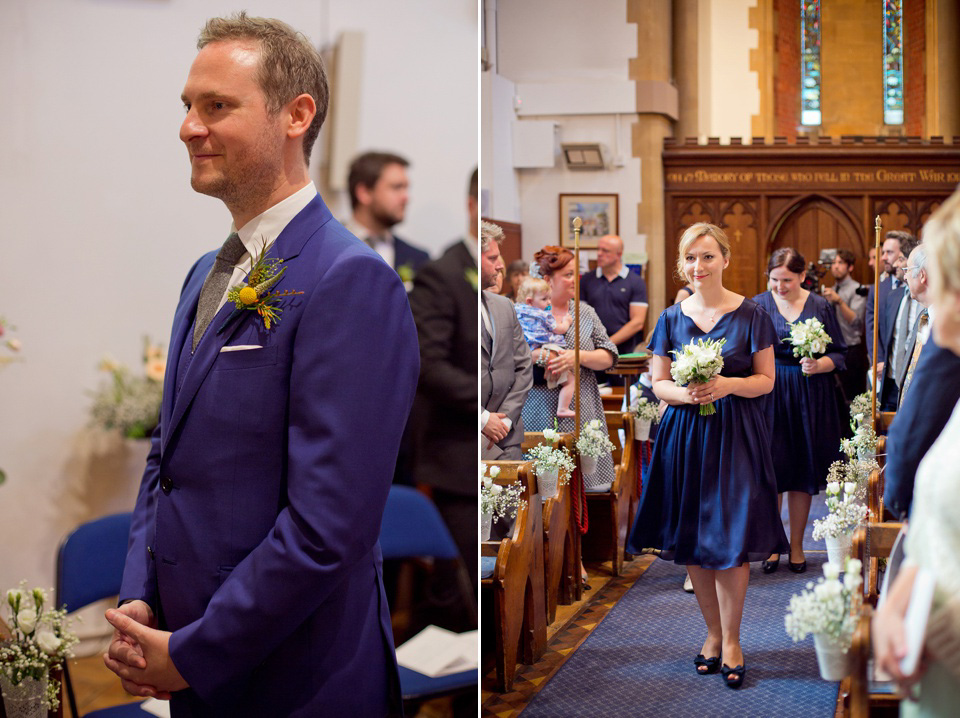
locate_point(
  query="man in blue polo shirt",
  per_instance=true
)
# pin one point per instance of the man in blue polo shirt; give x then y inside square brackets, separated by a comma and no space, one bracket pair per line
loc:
[618,295]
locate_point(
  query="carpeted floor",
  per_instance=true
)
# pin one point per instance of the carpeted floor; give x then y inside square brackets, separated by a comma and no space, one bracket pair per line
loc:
[639,660]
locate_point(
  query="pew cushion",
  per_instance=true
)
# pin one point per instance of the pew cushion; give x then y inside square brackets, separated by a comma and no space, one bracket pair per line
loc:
[599,489]
[487,566]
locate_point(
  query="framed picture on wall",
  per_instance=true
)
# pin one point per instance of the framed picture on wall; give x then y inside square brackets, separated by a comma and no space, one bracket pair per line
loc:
[600,215]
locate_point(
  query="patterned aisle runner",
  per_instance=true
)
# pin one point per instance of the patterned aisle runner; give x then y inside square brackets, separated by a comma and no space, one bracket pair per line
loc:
[639,660]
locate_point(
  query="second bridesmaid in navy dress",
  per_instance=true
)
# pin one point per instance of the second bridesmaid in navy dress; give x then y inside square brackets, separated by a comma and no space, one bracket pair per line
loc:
[804,413]
[710,496]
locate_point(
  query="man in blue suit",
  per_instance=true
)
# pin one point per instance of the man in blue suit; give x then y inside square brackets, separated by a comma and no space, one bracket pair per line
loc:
[379,191]
[253,580]
[888,280]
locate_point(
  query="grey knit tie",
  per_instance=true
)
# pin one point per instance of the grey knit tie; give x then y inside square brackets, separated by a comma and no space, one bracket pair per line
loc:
[216,284]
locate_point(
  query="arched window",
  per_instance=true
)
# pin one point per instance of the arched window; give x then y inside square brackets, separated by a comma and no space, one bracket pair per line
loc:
[810,63]
[893,62]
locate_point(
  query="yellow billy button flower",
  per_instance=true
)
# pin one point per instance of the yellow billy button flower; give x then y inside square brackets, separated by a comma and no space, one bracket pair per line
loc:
[248,295]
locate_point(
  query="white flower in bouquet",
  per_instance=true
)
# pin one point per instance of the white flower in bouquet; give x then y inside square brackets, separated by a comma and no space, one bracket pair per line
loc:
[551,435]
[594,440]
[697,363]
[860,409]
[40,639]
[808,338]
[864,439]
[496,500]
[646,410]
[829,608]
[549,458]
[845,515]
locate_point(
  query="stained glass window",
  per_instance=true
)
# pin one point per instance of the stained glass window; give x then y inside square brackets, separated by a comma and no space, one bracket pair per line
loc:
[893,62]
[810,63]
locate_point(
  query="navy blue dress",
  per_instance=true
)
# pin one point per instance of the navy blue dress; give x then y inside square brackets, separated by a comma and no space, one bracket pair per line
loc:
[710,496]
[803,411]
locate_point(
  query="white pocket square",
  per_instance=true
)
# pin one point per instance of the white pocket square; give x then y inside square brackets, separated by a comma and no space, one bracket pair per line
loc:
[240,348]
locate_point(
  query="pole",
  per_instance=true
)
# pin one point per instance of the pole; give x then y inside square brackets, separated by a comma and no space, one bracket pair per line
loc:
[876,318]
[577,223]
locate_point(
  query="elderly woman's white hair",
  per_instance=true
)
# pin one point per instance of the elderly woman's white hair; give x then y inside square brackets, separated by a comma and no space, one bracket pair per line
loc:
[489,232]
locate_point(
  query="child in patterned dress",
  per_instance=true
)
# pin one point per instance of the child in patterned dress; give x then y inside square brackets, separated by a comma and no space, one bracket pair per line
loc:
[541,330]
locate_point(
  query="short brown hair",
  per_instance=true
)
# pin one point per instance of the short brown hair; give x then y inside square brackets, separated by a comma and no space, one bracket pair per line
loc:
[847,257]
[289,65]
[694,232]
[474,189]
[898,235]
[366,170]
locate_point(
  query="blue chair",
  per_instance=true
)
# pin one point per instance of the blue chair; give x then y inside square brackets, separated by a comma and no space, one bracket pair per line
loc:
[89,568]
[412,528]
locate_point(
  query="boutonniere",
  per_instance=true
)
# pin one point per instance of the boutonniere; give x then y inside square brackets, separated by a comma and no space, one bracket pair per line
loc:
[255,295]
[471,276]
[406,273]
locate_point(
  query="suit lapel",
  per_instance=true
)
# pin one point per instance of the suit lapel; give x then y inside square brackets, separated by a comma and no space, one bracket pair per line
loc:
[288,246]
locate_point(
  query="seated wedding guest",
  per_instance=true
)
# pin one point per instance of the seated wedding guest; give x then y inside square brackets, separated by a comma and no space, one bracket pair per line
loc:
[850,303]
[253,582]
[597,352]
[916,276]
[444,305]
[516,272]
[710,495]
[897,331]
[540,329]
[889,252]
[933,536]
[379,192]
[618,296]
[505,365]
[805,434]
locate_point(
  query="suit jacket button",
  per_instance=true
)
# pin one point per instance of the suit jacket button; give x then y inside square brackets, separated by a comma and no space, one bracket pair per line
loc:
[166,484]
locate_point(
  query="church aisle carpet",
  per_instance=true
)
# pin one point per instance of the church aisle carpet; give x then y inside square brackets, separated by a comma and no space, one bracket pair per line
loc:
[639,660]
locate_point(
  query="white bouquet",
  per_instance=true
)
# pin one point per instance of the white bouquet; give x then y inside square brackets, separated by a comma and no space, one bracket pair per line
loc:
[859,409]
[40,639]
[496,500]
[547,458]
[854,473]
[697,363]
[830,607]
[594,440]
[863,443]
[845,513]
[808,338]
[646,410]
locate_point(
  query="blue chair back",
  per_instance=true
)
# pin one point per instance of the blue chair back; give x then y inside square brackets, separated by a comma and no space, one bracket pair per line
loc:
[412,526]
[91,559]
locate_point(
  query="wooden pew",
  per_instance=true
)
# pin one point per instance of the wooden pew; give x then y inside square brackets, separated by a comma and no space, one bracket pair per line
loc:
[561,539]
[858,698]
[872,542]
[610,512]
[515,590]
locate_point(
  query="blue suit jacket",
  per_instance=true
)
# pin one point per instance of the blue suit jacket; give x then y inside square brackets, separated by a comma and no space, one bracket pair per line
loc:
[885,287]
[255,536]
[934,392]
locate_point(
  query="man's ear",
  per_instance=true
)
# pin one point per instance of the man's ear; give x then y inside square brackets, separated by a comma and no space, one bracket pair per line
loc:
[300,111]
[363,194]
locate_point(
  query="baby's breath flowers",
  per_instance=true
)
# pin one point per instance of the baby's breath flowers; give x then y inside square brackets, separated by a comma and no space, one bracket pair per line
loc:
[830,607]
[128,403]
[40,640]
[646,410]
[594,440]
[496,500]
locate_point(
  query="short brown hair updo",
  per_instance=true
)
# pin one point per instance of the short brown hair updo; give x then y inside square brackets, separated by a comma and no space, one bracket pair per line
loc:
[551,259]
[787,257]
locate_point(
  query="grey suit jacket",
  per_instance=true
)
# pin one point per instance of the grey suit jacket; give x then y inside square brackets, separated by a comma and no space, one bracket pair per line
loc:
[506,376]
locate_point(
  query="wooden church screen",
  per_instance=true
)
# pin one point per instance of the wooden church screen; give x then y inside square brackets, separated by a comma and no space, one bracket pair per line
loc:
[810,197]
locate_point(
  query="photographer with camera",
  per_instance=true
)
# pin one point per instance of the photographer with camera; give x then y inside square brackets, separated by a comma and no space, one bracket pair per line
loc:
[849,299]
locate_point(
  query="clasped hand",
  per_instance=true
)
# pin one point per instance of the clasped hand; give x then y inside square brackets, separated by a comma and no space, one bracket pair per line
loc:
[716,388]
[140,654]
[810,366]
[560,362]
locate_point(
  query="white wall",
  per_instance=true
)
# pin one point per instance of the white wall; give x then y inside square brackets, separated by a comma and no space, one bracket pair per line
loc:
[557,42]
[98,223]
[729,90]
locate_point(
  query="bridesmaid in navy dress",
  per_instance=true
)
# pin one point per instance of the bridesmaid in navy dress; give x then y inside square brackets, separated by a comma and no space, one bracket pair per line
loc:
[805,417]
[710,499]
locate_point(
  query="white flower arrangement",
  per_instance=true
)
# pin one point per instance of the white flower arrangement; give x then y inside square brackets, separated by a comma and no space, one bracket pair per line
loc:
[808,338]
[646,410]
[864,441]
[128,403]
[496,500]
[548,458]
[859,409]
[845,515]
[697,363]
[830,607]
[594,440]
[40,640]
[854,472]
[551,436]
